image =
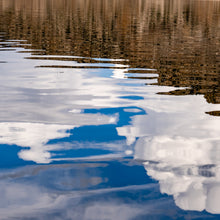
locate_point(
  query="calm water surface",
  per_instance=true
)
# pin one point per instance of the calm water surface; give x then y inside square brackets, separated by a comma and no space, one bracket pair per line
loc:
[109,109]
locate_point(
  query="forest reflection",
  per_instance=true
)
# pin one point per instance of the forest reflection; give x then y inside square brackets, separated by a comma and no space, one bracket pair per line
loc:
[181,39]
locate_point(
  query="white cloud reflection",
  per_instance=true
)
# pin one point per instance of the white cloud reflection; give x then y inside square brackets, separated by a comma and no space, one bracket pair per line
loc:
[32,135]
[25,201]
[181,147]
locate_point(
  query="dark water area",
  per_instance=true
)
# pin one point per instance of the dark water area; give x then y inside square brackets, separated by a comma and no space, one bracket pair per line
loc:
[109,109]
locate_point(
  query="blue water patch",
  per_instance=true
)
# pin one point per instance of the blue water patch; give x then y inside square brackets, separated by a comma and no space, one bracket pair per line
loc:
[90,133]
[101,133]
[111,174]
[132,97]
[121,173]
[76,153]
[132,84]
[101,72]
[9,156]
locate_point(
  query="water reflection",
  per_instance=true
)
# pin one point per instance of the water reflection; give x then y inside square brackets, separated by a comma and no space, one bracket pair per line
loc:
[102,114]
[86,90]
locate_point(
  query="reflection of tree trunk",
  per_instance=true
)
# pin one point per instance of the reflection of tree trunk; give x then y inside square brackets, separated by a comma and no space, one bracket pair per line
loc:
[179,38]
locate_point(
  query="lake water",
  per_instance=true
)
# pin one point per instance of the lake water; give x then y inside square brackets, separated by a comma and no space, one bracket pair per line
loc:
[109,109]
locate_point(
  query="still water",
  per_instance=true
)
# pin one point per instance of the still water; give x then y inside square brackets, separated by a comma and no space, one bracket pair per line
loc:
[109,109]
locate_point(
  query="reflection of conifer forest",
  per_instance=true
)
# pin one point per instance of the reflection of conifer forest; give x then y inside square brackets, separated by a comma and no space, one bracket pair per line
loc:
[179,38]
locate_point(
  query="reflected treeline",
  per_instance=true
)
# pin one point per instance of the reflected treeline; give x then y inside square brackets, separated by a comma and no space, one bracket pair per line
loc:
[181,39]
